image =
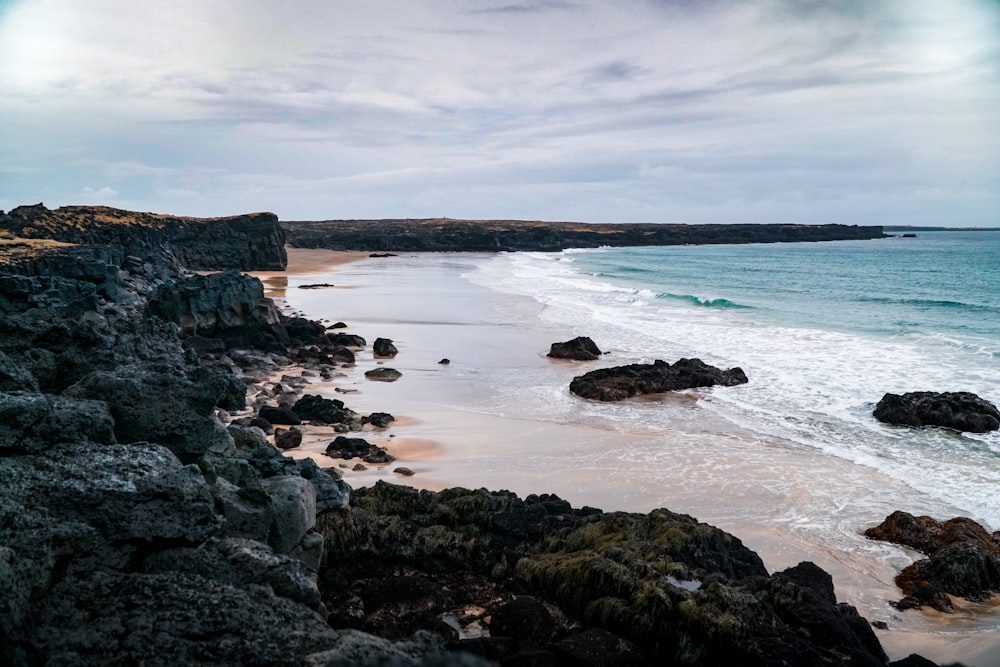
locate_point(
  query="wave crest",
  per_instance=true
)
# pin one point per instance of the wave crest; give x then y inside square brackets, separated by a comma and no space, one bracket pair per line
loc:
[702,301]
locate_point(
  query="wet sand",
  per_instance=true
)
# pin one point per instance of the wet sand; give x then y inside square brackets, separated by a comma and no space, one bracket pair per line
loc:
[464,428]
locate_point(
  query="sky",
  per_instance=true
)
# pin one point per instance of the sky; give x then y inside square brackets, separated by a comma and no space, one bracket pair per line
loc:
[811,111]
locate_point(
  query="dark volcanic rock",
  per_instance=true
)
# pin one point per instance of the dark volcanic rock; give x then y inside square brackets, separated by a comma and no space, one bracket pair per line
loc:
[346,340]
[580,348]
[349,448]
[963,558]
[961,410]
[228,305]
[620,382]
[165,404]
[287,438]
[34,422]
[383,374]
[279,415]
[383,347]
[523,617]
[599,648]
[303,331]
[683,591]
[315,408]
[378,419]
[342,355]
[251,242]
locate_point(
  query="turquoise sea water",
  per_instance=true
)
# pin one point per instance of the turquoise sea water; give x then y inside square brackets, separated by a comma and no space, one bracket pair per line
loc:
[823,330]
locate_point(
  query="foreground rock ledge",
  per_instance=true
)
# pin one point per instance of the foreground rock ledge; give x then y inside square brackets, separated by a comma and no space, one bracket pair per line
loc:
[960,410]
[675,590]
[621,382]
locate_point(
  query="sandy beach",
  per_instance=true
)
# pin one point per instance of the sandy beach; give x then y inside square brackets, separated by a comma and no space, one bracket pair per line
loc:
[476,422]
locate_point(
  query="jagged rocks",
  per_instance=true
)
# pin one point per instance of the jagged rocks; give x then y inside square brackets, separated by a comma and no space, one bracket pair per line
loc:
[963,559]
[960,410]
[682,591]
[160,403]
[228,305]
[621,382]
[580,348]
[34,422]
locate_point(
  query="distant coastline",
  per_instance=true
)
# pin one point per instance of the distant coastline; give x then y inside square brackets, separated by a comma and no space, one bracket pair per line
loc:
[449,234]
[910,228]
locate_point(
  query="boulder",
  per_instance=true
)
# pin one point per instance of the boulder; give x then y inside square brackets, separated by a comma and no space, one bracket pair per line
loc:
[315,408]
[621,382]
[580,348]
[963,558]
[342,355]
[304,331]
[346,340]
[524,617]
[279,415]
[383,374]
[378,419]
[293,501]
[383,347]
[348,448]
[960,410]
[287,438]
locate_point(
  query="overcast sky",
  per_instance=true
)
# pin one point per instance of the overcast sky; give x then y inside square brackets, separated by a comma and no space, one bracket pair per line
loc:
[851,111]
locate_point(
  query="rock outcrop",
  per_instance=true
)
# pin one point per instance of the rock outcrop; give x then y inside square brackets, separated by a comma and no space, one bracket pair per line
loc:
[960,410]
[621,382]
[580,348]
[963,559]
[660,585]
[134,527]
[251,242]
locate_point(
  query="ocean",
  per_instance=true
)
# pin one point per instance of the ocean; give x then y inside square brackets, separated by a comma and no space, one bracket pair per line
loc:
[822,330]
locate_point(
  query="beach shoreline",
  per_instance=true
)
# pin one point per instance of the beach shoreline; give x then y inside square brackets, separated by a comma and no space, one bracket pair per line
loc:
[435,443]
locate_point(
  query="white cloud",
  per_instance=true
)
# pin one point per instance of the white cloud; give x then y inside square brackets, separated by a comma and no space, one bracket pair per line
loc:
[103,195]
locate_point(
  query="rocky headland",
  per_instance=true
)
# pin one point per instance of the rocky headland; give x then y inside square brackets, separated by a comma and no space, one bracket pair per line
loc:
[448,234]
[148,515]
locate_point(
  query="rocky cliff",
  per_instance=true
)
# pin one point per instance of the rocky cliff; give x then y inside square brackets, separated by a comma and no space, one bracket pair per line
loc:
[446,234]
[254,241]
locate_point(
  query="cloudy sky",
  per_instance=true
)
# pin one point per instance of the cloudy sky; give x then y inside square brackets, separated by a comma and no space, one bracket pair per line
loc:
[852,111]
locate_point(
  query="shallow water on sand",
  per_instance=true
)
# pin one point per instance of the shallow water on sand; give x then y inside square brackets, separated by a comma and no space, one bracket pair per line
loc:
[502,418]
